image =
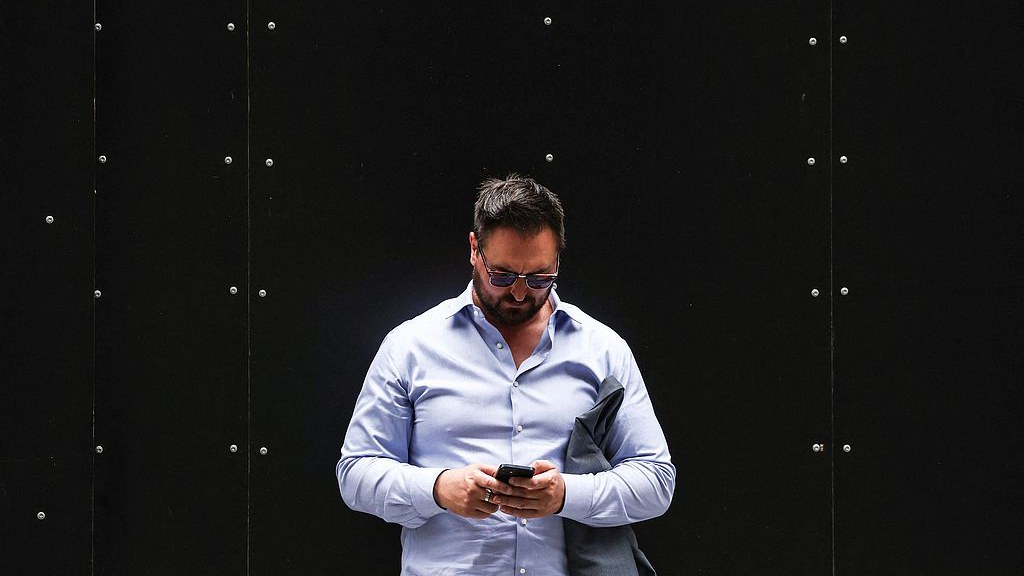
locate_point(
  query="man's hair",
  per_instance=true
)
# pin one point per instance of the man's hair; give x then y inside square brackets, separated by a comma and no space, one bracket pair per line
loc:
[519,203]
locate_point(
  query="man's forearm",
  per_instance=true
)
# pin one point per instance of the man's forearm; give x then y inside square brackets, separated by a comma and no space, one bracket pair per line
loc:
[632,491]
[394,491]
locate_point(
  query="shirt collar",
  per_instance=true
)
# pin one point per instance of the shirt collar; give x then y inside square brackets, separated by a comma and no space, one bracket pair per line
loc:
[465,300]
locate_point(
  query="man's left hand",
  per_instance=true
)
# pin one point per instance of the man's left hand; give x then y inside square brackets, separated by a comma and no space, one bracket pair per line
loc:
[540,496]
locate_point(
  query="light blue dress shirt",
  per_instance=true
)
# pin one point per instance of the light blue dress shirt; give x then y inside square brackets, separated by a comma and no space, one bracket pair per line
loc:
[443,391]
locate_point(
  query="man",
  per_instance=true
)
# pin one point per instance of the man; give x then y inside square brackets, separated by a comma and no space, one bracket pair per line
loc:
[498,375]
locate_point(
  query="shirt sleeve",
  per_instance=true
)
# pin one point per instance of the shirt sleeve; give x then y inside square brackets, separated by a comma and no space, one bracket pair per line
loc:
[374,474]
[641,482]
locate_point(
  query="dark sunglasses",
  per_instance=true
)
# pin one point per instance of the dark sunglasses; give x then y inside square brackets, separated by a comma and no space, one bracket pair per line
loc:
[506,279]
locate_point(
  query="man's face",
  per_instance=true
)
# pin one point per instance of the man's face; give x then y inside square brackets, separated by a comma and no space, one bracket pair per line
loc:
[509,251]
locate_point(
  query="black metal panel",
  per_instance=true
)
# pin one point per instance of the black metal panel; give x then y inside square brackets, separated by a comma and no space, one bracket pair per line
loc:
[928,228]
[45,286]
[697,229]
[171,239]
[703,231]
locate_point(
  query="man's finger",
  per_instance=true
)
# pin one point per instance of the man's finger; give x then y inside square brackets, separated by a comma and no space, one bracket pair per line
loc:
[541,466]
[489,469]
[520,513]
[538,482]
[497,486]
[517,503]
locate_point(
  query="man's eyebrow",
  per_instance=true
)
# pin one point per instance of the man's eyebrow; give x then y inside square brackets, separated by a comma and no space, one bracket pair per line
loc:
[543,270]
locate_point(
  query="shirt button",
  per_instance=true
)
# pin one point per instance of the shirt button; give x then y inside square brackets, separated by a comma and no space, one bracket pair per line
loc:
[523,521]
[499,345]
[519,428]
[515,383]
[522,570]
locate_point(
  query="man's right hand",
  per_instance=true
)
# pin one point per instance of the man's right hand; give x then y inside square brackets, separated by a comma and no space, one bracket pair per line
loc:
[462,490]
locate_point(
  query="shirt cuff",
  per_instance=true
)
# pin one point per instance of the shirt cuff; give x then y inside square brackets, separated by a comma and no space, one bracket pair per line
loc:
[422,488]
[579,496]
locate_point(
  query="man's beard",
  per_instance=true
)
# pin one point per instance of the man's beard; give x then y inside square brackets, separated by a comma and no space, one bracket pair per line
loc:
[504,308]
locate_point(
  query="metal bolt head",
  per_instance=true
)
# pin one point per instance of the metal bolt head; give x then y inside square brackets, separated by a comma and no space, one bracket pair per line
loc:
[814,292]
[547,21]
[233,290]
[816,447]
[233,448]
[550,157]
[97,293]
[843,159]
[810,161]
[49,219]
[271,25]
[103,159]
[99,449]
[844,290]
[41,515]
[263,293]
[842,39]
[263,451]
[227,160]
[813,41]
[846,448]
[270,162]
[231,26]
[99,27]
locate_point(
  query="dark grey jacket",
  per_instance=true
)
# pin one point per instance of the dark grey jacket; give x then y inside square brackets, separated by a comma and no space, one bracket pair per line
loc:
[610,551]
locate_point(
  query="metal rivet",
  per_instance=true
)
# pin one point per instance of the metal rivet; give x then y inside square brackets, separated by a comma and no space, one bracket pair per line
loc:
[263,293]
[814,292]
[846,448]
[103,159]
[227,159]
[99,449]
[231,26]
[270,162]
[97,293]
[843,159]
[817,447]
[263,451]
[41,515]
[233,448]
[550,157]
[233,290]
[813,41]
[99,27]
[49,219]
[810,161]
[844,290]
[271,25]
[547,21]
[842,39]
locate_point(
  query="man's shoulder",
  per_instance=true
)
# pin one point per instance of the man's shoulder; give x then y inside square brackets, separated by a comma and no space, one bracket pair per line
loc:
[590,325]
[429,323]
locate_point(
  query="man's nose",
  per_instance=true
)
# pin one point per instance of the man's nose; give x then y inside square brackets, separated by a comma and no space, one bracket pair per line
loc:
[519,289]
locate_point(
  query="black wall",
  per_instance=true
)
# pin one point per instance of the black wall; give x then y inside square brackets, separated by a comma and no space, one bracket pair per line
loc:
[680,138]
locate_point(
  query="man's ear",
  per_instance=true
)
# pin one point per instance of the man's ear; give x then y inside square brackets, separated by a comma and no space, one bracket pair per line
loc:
[472,248]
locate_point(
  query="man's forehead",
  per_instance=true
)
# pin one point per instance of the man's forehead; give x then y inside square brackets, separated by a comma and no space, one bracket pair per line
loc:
[512,250]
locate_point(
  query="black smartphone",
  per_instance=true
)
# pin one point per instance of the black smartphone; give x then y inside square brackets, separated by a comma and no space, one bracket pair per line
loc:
[506,471]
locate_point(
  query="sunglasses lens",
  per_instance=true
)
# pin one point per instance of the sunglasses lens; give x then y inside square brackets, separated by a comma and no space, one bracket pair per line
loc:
[503,280]
[538,283]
